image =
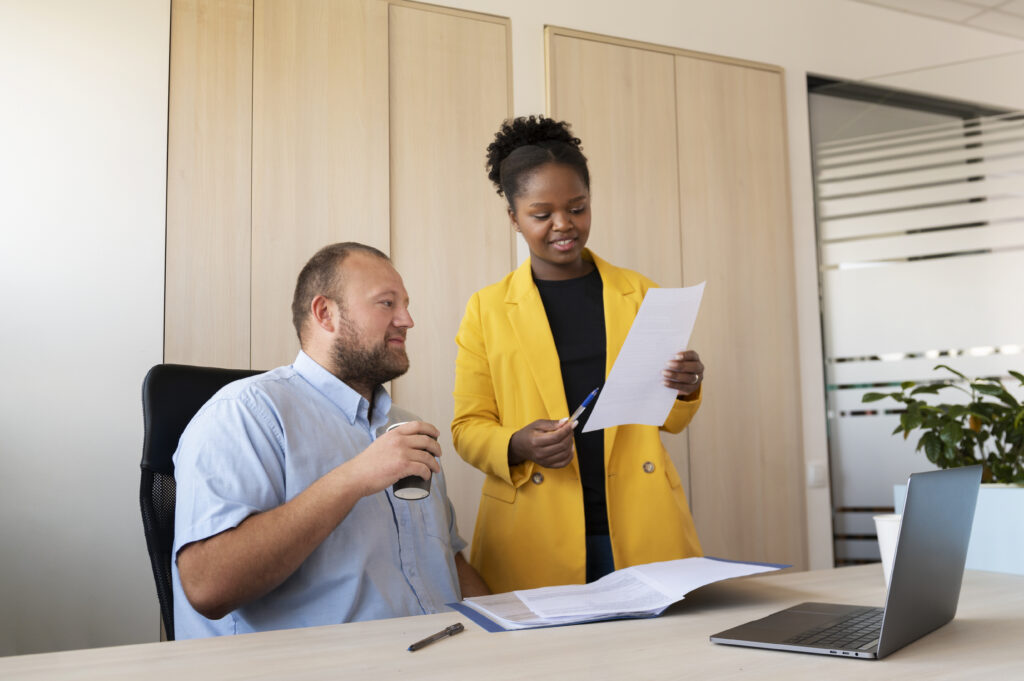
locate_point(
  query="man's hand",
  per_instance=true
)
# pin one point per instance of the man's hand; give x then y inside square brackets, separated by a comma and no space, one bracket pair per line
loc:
[409,449]
[547,443]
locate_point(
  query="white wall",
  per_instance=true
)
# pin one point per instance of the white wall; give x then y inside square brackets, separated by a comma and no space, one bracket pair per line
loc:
[82,159]
[83,126]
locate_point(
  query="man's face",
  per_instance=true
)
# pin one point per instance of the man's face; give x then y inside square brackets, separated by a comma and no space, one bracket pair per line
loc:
[369,345]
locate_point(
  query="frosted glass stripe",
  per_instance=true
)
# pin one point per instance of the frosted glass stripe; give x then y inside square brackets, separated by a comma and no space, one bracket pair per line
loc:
[1010,185]
[847,402]
[864,452]
[994,237]
[956,124]
[964,302]
[921,161]
[998,209]
[920,369]
[945,143]
[961,171]
[957,133]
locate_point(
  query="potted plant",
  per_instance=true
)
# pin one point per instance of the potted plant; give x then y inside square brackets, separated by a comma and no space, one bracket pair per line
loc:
[987,429]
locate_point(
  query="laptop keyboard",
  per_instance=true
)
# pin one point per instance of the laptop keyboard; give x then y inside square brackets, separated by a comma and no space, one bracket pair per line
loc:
[857,631]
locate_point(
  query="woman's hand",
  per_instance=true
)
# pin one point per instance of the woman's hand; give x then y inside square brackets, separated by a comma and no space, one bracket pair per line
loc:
[684,373]
[546,443]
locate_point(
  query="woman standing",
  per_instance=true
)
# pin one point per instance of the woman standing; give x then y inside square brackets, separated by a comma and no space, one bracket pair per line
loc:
[560,506]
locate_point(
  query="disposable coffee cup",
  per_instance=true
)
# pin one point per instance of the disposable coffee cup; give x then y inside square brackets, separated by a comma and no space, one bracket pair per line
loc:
[888,529]
[411,487]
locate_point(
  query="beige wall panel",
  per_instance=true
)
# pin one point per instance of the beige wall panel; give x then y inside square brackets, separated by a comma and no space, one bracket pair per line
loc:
[450,235]
[621,103]
[320,148]
[206,313]
[745,445]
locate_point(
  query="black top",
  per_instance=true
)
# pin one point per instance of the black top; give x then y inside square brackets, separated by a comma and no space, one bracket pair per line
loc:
[575,312]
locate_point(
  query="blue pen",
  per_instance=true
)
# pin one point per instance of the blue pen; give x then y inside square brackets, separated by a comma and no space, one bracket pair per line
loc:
[586,403]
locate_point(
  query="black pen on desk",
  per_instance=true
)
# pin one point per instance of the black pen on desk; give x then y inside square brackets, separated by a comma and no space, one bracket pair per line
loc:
[586,403]
[444,633]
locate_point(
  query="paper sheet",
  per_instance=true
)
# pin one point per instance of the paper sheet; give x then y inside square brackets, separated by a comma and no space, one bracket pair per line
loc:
[634,391]
[638,591]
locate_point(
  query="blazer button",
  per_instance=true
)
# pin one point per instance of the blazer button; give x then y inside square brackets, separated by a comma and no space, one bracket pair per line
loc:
[648,467]
[537,478]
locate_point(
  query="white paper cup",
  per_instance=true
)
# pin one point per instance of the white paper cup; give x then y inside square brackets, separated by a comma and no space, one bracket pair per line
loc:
[411,487]
[888,529]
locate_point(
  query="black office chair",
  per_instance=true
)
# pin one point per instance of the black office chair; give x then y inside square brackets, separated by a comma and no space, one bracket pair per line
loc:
[171,395]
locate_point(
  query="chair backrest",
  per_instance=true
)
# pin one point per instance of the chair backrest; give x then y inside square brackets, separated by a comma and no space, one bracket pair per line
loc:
[171,396]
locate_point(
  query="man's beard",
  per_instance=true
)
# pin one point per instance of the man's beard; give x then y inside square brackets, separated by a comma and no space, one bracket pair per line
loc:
[371,366]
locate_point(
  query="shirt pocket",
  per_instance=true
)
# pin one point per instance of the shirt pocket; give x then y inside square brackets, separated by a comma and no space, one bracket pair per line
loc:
[428,518]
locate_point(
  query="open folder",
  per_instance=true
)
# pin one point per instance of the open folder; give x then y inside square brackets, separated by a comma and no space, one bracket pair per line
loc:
[637,591]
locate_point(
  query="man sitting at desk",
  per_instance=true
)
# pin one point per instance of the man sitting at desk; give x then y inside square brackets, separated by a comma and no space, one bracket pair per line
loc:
[285,515]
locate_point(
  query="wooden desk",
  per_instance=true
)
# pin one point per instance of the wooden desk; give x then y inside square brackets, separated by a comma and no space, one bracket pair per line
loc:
[983,641]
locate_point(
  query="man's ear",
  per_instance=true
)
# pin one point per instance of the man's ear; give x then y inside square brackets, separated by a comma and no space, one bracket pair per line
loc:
[323,312]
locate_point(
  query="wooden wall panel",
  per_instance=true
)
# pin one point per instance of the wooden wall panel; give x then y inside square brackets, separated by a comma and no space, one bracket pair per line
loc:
[450,236]
[746,452]
[206,312]
[621,103]
[320,148]
[651,117]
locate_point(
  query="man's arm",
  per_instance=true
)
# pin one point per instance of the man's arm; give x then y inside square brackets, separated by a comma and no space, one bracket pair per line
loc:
[470,581]
[230,569]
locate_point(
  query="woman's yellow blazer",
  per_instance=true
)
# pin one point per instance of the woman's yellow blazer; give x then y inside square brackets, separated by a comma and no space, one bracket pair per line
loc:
[529,529]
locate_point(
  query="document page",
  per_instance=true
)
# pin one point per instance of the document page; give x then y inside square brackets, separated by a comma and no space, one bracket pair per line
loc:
[619,592]
[638,591]
[634,392]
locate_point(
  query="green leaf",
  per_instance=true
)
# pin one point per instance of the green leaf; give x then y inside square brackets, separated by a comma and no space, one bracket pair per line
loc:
[1019,376]
[950,453]
[989,389]
[932,446]
[873,397]
[957,411]
[949,369]
[907,384]
[910,419]
[927,389]
[951,434]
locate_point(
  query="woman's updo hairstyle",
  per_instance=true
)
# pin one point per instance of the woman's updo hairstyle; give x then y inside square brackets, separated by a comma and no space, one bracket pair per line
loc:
[524,144]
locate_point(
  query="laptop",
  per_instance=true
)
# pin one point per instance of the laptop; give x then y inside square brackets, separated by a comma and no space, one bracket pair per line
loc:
[924,588]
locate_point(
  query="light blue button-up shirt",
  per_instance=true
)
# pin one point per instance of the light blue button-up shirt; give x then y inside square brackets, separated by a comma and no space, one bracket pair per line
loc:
[261,441]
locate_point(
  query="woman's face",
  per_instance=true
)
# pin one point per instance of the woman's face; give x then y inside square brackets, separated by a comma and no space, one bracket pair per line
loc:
[552,212]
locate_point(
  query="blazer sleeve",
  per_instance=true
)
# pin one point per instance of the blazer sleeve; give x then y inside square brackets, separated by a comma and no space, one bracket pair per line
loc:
[682,412]
[477,431]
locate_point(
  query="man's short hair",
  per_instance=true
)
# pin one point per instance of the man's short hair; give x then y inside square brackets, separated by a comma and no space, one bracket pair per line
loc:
[322,276]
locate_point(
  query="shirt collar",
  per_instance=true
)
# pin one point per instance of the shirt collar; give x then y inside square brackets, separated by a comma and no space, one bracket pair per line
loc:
[353,405]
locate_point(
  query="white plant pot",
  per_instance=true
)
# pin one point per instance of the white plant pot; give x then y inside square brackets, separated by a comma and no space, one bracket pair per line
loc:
[997,536]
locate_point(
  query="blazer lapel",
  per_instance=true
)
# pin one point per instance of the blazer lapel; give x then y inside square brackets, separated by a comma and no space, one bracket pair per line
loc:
[529,323]
[620,307]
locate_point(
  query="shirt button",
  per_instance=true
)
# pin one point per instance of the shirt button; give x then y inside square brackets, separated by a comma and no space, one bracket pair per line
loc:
[648,467]
[537,478]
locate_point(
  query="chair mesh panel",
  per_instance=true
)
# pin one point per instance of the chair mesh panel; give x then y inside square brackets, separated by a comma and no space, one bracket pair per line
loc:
[157,500]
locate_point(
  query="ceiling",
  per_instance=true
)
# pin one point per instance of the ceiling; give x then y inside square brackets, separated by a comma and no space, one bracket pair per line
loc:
[1005,17]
